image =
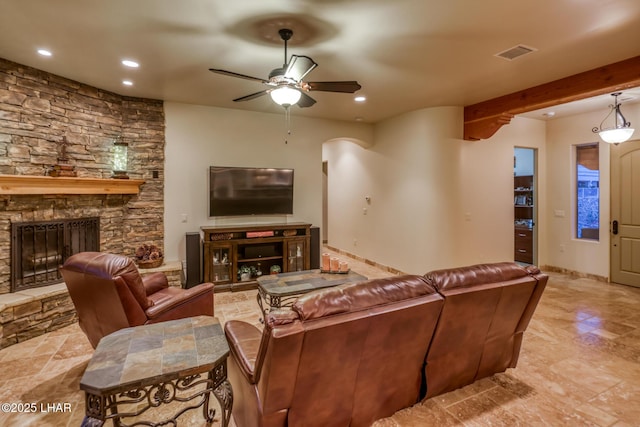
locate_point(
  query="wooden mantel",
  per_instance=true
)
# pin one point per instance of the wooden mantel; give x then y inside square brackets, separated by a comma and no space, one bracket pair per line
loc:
[29,184]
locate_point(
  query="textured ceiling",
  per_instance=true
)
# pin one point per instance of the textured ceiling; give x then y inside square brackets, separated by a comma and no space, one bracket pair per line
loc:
[406,54]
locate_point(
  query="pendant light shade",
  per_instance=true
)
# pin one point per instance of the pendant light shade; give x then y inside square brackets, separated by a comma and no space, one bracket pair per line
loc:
[621,130]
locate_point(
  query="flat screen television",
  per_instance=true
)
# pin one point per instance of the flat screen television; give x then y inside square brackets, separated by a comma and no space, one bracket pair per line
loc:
[250,191]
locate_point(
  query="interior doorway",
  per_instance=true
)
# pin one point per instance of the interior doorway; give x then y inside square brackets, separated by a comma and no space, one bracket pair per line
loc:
[325,203]
[525,197]
[625,213]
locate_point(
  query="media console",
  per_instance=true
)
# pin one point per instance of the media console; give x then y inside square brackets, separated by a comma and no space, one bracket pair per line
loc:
[235,256]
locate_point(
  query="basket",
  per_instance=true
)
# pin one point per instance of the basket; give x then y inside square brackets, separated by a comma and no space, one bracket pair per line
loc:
[151,263]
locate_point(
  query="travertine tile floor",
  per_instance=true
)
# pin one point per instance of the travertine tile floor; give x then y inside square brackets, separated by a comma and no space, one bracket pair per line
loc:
[579,366]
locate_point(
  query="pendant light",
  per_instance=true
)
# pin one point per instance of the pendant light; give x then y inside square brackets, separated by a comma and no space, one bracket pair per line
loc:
[621,130]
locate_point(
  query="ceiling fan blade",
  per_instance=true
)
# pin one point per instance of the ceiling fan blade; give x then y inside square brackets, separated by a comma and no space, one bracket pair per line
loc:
[345,87]
[241,76]
[298,67]
[252,96]
[305,101]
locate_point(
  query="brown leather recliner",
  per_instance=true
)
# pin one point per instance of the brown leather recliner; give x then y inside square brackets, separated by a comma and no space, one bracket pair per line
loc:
[349,355]
[343,356]
[109,294]
[486,310]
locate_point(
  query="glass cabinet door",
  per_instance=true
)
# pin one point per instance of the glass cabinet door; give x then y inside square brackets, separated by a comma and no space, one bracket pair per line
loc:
[295,255]
[220,263]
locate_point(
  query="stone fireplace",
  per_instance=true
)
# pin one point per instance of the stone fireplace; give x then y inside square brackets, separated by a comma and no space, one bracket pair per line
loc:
[43,118]
[38,248]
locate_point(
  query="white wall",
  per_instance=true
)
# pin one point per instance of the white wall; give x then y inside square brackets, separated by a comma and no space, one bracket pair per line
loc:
[198,137]
[486,192]
[410,174]
[563,249]
[436,201]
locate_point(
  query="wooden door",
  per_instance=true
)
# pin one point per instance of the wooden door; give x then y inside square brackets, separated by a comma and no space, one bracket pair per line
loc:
[625,213]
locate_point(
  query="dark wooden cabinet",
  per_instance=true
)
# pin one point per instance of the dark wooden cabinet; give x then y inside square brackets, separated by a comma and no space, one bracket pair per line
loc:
[523,245]
[235,256]
[523,201]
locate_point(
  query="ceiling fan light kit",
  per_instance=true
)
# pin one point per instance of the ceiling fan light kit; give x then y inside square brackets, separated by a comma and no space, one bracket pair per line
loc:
[621,130]
[286,85]
[285,96]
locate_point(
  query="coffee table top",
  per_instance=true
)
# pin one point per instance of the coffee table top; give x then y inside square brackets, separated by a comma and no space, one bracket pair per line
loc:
[150,354]
[300,282]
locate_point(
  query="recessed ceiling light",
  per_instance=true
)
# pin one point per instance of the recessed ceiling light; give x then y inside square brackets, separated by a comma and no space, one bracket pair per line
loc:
[360,98]
[44,52]
[127,82]
[129,63]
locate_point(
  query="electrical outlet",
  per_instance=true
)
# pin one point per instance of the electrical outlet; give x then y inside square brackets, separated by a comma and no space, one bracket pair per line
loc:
[184,218]
[561,248]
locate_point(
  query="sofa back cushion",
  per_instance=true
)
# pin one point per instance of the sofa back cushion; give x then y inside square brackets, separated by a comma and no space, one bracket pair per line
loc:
[355,297]
[361,352]
[476,332]
[97,298]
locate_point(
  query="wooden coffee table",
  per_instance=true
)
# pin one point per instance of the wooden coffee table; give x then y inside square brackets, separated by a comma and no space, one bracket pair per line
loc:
[280,290]
[135,370]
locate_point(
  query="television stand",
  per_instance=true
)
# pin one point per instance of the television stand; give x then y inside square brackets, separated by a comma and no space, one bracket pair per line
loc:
[235,256]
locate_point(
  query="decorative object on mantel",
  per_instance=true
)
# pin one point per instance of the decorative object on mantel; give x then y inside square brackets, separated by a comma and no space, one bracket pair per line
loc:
[120,158]
[621,130]
[63,168]
[149,256]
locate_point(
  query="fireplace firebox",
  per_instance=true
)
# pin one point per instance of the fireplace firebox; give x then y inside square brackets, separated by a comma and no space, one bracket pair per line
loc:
[38,248]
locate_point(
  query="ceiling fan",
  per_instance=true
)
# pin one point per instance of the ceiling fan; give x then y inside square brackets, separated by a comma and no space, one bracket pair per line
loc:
[286,86]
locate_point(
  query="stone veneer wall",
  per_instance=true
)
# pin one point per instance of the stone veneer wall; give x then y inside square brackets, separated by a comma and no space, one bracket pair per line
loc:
[38,110]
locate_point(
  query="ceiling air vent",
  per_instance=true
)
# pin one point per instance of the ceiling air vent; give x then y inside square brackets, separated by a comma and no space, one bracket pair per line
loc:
[515,52]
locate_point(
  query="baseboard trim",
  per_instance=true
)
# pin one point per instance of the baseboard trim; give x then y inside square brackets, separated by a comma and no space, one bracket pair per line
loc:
[391,270]
[574,273]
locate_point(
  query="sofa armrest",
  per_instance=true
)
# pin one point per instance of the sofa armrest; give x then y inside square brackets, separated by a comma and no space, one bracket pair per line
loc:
[244,344]
[175,298]
[154,282]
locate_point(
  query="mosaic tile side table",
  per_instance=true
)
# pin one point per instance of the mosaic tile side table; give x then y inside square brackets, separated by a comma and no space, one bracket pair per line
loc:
[137,369]
[281,290]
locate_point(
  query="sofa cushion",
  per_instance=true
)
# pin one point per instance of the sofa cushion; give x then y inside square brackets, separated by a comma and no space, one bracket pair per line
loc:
[474,275]
[354,297]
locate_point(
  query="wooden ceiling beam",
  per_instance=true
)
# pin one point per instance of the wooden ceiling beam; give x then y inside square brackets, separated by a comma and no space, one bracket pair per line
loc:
[483,119]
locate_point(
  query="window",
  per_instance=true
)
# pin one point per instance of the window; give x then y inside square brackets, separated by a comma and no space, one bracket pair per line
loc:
[587,192]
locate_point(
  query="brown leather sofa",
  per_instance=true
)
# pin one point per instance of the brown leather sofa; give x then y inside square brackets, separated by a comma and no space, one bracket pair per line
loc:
[486,311]
[349,355]
[109,294]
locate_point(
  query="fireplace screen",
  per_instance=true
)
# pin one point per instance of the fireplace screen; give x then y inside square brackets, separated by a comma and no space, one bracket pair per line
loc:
[39,248]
